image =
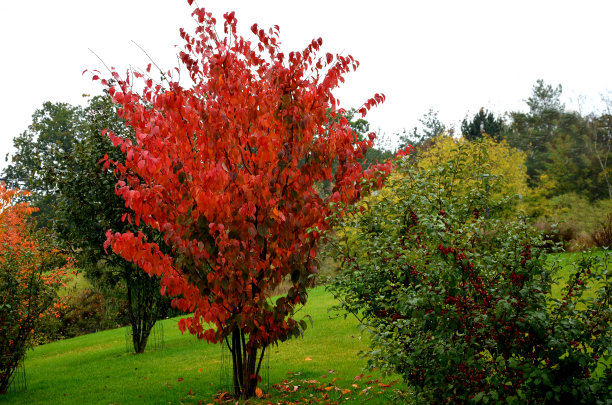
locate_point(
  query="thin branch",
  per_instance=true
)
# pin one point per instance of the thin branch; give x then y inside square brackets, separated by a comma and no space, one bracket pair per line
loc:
[151,59]
[100,59]
[263,351]
[228,345]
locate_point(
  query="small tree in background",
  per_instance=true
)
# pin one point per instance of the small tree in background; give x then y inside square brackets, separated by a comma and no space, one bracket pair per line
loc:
[533,132]
[87,206]
[226,170]
[430,128]
[38,152]
[29,278]
[483,122]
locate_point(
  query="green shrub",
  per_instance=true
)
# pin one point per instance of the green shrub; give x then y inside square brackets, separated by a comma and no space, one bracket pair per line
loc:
[571,208]
[456,293]
[87,313]
[89,310]
[92,309]
[561,234]
[602,237]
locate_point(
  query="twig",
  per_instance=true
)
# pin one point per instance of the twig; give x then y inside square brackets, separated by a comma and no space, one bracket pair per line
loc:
[151,59]
[100,59]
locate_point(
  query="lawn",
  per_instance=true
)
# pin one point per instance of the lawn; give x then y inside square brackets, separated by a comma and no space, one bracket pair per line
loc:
[323,366]
[96,369]
[566,268]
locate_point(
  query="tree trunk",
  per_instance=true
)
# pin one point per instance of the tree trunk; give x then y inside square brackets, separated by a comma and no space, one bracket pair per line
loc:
[6,372]
[143,306]
[245,365]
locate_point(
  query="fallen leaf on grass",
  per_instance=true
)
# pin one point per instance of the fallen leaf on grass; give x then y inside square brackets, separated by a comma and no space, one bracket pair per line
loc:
[307,359]
[258,392]
[180,379]
[223,397]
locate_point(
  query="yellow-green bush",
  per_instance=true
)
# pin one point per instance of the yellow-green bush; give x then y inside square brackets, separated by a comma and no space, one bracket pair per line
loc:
[494,159]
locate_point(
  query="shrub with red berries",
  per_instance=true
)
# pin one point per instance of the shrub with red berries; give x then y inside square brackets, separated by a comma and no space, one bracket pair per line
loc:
[457,294]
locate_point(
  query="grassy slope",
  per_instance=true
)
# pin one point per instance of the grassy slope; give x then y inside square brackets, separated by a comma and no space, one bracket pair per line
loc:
[75,284]
[95,369]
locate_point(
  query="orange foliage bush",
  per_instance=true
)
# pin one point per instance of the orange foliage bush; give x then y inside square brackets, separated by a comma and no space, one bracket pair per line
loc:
[30,273]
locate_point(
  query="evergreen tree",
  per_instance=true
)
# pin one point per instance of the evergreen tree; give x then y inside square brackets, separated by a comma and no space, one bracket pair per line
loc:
[483,122]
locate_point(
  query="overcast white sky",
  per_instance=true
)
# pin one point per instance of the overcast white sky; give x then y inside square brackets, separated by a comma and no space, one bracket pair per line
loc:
[454,56]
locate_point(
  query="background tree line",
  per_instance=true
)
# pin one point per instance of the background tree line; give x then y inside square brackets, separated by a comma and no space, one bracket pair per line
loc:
[566,151]
[567,155]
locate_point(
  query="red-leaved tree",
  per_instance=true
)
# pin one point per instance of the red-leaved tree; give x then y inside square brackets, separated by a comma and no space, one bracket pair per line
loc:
[226,171]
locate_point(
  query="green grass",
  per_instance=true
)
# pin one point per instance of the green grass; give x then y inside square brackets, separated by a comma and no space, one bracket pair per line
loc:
[95,369]
[75,284]
[566,268]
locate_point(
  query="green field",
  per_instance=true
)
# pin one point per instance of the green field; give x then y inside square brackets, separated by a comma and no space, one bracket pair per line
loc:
[324,366]
[96,369]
